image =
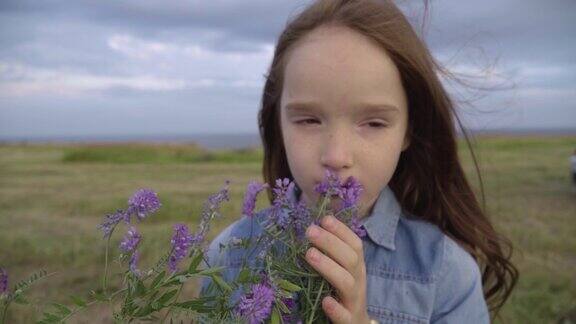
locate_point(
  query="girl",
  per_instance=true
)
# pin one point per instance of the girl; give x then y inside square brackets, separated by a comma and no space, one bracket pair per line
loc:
[352,89]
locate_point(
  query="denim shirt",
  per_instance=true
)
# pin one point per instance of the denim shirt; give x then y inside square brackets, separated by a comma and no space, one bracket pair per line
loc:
[415,273]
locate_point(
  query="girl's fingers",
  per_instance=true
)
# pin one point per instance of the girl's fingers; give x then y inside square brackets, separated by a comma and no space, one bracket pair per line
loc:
[336,275]
[343,232]
[334,247]
[335,311]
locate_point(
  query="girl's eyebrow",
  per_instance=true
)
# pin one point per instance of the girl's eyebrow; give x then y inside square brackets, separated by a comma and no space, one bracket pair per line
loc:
[360,109]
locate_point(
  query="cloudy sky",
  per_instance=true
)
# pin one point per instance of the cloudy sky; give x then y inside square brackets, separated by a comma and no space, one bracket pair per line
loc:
[137,67]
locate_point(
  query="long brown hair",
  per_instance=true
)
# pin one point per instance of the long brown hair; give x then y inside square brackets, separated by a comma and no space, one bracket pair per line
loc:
[429,180]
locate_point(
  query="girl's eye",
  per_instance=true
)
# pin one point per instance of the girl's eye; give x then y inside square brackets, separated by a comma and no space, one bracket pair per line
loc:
[312,121]
[308,121]
[376,124]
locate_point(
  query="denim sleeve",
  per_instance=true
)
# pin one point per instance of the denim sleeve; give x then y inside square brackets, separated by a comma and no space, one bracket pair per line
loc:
[459,295]
[214,257]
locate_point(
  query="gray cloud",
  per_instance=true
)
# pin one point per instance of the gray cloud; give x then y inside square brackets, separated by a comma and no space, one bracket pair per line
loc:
[142,66]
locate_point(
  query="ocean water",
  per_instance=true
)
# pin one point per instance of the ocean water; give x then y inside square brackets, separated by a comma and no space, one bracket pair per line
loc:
[241,140]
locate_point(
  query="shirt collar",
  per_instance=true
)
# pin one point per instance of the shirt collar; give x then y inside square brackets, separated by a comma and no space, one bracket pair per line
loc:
[382,222]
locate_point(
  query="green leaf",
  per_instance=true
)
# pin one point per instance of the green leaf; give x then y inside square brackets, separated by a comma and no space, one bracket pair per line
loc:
[162,262]
[172,282]
[19,299]
[244,275]
[195,261]
[221,283]
[211,271]
[51,318]
[276,318]
[140,288]
[78,301]
[154,304]
[143,311]
[157,279]
[183,279]
[288,286]
[166,297]
[191,304]
[199,305]
[63,310]
[283,307]
[21,286]
[98,296]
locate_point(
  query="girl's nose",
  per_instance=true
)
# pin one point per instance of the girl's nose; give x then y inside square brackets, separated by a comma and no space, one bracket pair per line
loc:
[337,153]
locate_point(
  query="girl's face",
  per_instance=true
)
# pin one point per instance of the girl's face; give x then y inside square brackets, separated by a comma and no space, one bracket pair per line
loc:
[343,108]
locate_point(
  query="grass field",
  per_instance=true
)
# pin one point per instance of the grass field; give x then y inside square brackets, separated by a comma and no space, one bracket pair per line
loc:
[53,196]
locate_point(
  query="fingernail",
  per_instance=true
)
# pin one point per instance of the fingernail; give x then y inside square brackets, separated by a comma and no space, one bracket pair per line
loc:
[329,220]
[313,254]
[312,231]
[329,302]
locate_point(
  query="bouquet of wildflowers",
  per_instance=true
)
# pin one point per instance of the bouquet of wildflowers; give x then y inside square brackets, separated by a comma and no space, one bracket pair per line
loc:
[284,288]
[281,288]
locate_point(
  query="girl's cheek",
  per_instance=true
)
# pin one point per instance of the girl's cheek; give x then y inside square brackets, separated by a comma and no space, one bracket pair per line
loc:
[303,140]
[293,132]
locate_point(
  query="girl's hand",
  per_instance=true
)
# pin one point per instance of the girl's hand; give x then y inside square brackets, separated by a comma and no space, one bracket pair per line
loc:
[340,260]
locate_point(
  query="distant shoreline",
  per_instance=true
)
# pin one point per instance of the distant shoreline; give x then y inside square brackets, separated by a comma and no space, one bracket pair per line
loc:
[235,141]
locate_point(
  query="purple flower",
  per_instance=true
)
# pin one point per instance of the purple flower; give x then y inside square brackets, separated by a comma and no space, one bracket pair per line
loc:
[278,216]
[256,305]
[130,241]
[264,245]
[282,191]
[301,219]
[350,192]
[330,185]
[181,242]
[211,209]
[143,203]
[293,316]
[134,262]
[214,201]
[3,281]
[112,220]
[197,239]
[252,191]
[357,227]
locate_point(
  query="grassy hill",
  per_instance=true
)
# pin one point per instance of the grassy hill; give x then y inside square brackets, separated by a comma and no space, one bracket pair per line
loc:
[52,197]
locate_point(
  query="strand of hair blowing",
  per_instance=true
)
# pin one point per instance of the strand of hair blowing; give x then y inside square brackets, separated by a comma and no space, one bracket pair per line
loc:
[445,198]
[429,181]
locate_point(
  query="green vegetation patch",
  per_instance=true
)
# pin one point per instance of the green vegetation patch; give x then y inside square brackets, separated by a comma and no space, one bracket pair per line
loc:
[150,153]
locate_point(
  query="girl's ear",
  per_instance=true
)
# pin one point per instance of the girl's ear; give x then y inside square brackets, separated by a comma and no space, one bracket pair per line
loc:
[406,142]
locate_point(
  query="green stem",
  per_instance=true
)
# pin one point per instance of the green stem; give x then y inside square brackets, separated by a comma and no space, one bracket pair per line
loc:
[307,295]
[75,311]
[172,305]
[106,265]
[4,313]
[311,318]
[325,202]
[106,259]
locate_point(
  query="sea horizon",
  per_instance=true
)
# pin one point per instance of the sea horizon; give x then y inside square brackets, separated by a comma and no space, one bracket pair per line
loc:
[234,140]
